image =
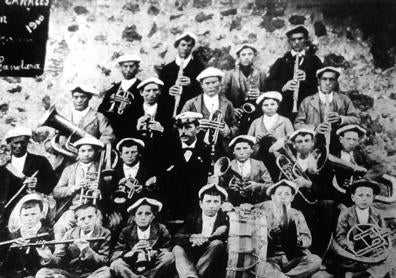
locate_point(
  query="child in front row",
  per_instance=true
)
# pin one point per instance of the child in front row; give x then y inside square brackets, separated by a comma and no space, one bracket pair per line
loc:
[362,193]
[288,235]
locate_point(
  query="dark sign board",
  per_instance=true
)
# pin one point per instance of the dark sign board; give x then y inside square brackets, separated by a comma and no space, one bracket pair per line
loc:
[23,36]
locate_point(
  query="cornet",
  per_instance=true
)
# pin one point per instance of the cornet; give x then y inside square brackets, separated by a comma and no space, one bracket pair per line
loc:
[125,191]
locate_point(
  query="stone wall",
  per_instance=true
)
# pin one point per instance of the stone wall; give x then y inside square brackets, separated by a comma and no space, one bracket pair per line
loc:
[86,36]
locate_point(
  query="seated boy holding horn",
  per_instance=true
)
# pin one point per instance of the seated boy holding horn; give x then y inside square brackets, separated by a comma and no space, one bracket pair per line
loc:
[366,217]
[88,253]
[143,246]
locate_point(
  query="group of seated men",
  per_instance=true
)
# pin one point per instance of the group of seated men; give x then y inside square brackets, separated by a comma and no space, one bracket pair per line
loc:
[189,141]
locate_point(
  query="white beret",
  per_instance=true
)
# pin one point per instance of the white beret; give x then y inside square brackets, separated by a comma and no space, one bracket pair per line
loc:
[242,138]
[145,201]
[291,184]
[332,69]
[302,131]
[18,131]
[184,35]
[154,80]
[297,29]
[137,141]
[88,140]
[129,58]
[271,94]
[360,130]
[246,45]
[209,72]
[211,186]
[188,116]
[85,88]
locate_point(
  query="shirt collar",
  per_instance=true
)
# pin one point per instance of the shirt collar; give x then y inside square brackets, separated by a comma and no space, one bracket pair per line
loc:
[246,163]
[184,145]
[126,167]
[186,60]
[83,112]
[127,83]
[23,157]
[322,97]
[85,236]
[301,53]
[145,234]
[209,219]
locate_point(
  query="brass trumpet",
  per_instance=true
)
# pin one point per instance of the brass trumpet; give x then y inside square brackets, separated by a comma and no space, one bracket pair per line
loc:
[143,260]
[125,191]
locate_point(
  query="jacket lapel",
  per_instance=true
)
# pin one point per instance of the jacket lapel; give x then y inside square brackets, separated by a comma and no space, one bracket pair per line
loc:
[89,118]
[315,102]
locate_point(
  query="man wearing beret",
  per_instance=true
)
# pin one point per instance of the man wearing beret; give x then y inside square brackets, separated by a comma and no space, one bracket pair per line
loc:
[23,168]
[121,101]
[177,79]
[328,109]
[244,83]
[282,77]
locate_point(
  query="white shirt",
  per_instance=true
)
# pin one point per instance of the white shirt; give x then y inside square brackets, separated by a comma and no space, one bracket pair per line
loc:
[244,168]
[301,53]
[207,224]
[188,153]
[79,115]
[347,156]
[131,172]
[303,162]
[18,162]
[269,122]
[143,235]
[186,61]
[278,213]
[211,103]
[363,215]
[150,109]
[127,83]
[322,97]
[85,236]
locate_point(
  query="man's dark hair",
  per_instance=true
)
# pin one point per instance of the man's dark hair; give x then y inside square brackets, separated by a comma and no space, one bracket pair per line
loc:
[31,204]
[211,192]
[186,38]
[129,144]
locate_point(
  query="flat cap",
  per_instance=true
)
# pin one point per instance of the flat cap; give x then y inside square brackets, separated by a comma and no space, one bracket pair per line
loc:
[319,72]
[242,138]
[129,58]
[18,131]
[86,89]
[210,72]
[272,188]
[184,36]
[271,94]
[364,183]
[133,140]
[149,80]
[89,140]
[301,131]
[297,30]
[212,186]
[146,201]
[188,117]
[245,45]
[360,130]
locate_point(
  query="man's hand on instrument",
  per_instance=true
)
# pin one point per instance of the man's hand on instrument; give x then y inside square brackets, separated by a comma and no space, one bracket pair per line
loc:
[175,90]
[225,131]
[299,242]
[198,239]
[154,125]
[291,85]
[44,252]
[323,128]
[300,75]
[141,245]
[151,183]
[142,122]
[87,254]
[31,183]
[238,113]
[250,186]
[20,242]
[183,80]
[349,245]
[333,117]
[301,182]
[234,186]
[253,93]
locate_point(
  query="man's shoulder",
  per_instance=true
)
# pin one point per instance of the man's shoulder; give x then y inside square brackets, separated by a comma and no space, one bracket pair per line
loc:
[37,157]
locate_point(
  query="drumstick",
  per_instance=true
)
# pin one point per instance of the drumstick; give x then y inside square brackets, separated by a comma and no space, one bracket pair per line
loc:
[19,191]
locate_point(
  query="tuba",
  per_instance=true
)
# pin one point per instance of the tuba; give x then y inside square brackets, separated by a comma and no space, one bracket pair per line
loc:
[371,244]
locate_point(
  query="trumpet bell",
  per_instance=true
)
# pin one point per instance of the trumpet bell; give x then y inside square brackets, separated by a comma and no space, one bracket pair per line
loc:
[221,166]
[248,108]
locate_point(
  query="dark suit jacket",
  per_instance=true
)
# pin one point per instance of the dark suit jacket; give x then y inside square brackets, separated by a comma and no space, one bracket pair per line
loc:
[183,178]
[63,257]
[17,259]
[10,184]
[124,125]
[193,225]
[159,239]
[169,74]
[282,71]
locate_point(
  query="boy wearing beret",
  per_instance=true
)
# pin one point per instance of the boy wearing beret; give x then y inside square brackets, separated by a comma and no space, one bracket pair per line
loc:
[144,238]
[288,235]
[200,243]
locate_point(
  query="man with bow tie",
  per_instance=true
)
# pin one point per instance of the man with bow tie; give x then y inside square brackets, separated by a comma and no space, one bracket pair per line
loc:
[122,101]
[282,77]
[188,167]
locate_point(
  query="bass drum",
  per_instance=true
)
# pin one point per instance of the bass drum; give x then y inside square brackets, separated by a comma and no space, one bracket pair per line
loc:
[247,244]
[48,211]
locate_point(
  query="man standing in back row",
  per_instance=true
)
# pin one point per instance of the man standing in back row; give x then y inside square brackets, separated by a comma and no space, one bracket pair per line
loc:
[171,73]
[283,77]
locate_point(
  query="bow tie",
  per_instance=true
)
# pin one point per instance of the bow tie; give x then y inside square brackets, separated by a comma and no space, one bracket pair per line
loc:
[299,55]
[188,149]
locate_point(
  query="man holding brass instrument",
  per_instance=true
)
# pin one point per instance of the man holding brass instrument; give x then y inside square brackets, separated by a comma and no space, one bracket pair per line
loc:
[218,112]
[23,169]
[179,76]
[87,255]
[120,103]
[249,177]
[20,261]
[79,183]
[294,73]
[244,84]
